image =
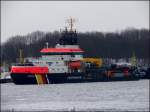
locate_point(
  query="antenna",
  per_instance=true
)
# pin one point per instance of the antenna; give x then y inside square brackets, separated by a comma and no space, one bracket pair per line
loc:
[21,60]
[71,22]
[46,44]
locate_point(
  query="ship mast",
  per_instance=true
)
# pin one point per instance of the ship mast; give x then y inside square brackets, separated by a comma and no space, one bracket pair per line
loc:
[69,37]
[71,22]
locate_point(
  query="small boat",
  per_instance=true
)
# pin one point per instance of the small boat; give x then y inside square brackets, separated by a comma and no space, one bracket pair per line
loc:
[5,77]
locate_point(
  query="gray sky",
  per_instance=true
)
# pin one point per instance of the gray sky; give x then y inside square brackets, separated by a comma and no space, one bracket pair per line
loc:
[23,17]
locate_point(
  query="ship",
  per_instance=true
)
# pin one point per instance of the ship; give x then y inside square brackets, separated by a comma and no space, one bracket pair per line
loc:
[66,63]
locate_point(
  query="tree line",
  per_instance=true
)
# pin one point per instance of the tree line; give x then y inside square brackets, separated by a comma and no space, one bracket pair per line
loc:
[95,44]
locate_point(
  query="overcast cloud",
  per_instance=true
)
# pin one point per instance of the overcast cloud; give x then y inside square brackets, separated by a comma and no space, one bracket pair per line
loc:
[23,17]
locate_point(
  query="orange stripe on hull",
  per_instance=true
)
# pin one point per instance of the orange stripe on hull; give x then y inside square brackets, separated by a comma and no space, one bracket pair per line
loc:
[44,79]
[41,79]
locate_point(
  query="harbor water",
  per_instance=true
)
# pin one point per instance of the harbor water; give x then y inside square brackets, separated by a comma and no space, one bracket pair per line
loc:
[93,96]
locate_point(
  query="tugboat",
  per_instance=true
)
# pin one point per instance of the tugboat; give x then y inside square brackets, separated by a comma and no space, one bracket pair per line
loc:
[63,63]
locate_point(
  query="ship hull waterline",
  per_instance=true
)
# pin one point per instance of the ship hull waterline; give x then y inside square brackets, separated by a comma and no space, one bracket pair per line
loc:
[53,78]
